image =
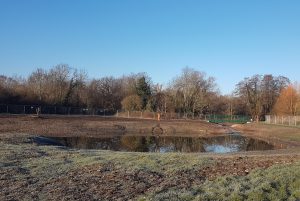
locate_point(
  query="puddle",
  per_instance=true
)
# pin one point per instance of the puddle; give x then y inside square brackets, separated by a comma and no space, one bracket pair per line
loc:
[219,144]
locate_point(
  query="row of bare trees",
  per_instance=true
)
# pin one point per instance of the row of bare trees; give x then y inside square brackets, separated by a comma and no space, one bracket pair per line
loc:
[260,93]
[192,93]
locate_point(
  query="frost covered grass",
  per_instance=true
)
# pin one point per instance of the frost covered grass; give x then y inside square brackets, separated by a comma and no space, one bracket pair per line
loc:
[280,182]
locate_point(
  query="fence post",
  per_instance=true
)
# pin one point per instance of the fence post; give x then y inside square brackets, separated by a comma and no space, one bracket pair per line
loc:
[295,120]
[141,114]
[128,114]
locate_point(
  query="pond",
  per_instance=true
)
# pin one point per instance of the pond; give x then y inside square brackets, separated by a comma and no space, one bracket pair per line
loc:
[162,144]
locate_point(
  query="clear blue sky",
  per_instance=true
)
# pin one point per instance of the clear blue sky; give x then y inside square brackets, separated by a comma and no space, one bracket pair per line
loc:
[226,39]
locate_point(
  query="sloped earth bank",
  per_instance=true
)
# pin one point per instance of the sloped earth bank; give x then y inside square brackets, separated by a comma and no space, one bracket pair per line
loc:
[31,172]
[94,126]
[288,135]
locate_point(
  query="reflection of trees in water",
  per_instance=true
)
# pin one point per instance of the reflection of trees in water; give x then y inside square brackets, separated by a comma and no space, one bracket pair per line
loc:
[162,144]
[184,144]
[165,144]
[76,142]
[253,145]
[107,143]
[134,143]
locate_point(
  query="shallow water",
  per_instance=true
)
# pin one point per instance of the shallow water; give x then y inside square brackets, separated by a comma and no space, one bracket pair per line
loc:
[162,144]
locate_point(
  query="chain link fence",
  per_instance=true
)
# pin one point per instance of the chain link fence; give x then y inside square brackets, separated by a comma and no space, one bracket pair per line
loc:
[240,119]
[55,110]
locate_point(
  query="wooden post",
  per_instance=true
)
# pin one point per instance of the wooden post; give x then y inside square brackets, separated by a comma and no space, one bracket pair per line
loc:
[128,114]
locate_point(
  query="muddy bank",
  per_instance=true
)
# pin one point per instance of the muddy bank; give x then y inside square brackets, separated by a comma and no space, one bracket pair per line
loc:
[95,126]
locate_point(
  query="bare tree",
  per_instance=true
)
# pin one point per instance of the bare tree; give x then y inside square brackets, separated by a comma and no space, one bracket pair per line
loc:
[132,103]
[192,90]
[105,93]
[250,90]
[37,83]
[58,83]
[271,88]
[76,94]
[260,93]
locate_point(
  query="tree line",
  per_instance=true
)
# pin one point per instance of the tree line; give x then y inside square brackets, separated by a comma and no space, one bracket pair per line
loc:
[191,93]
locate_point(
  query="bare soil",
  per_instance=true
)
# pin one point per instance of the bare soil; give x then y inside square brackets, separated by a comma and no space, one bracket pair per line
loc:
[95,126]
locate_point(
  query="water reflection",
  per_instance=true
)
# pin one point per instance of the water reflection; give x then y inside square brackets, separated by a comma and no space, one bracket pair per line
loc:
[219,144]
